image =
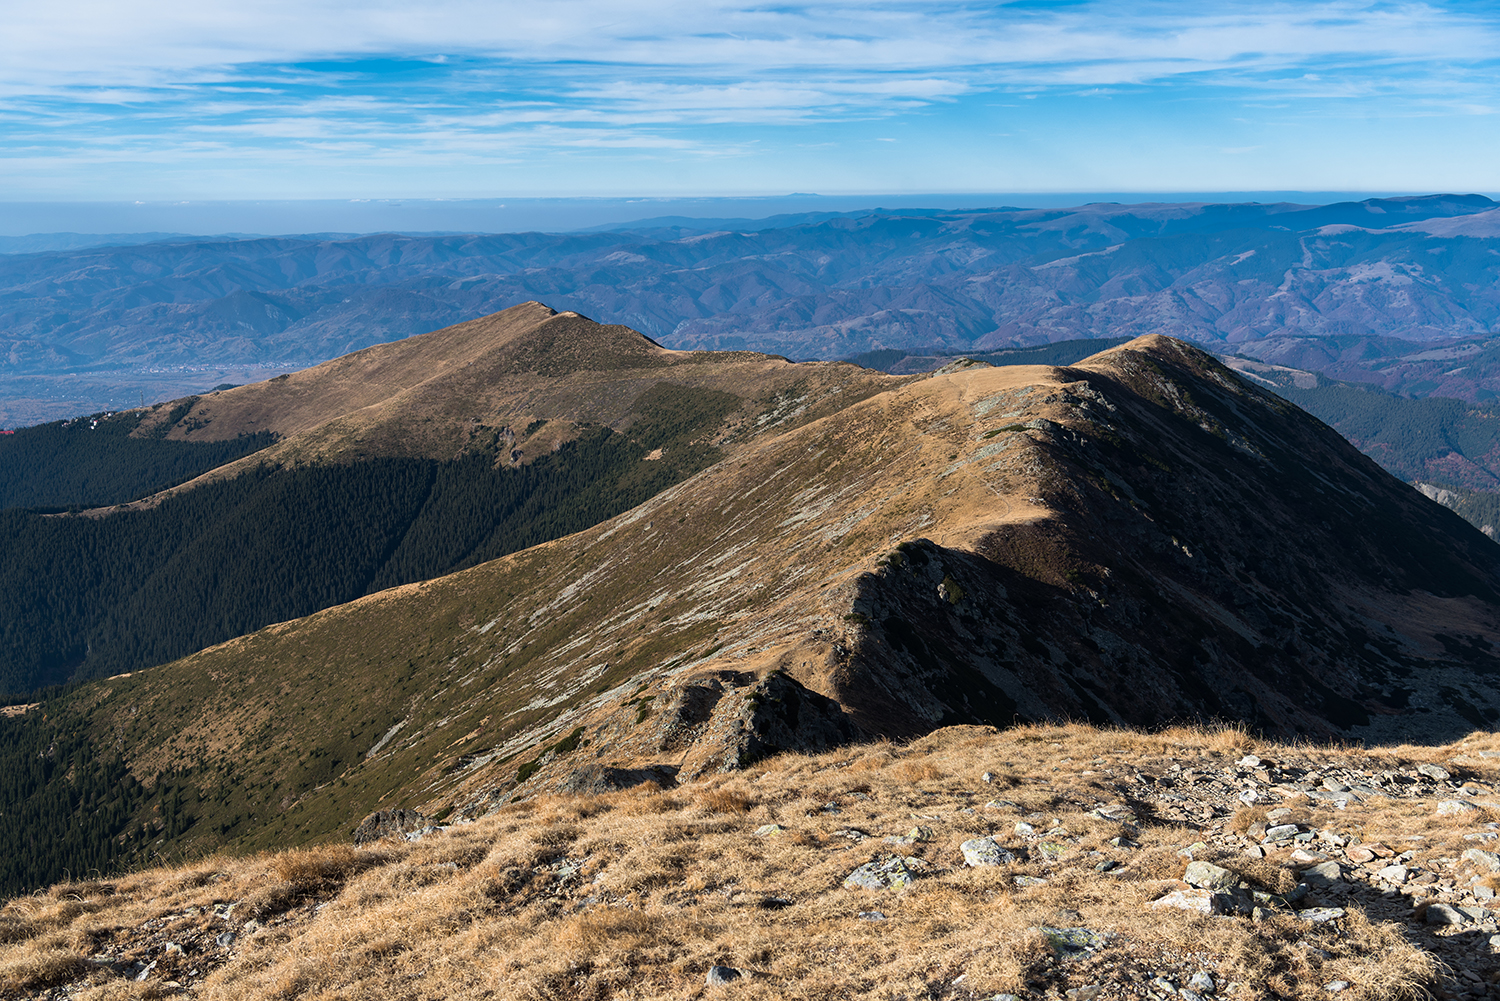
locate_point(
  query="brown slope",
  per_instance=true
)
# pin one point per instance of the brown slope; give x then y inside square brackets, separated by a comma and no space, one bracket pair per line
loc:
[518,384]
[1136,539]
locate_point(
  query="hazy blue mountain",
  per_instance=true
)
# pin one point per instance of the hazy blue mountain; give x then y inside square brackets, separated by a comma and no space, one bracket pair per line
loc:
[1346,286]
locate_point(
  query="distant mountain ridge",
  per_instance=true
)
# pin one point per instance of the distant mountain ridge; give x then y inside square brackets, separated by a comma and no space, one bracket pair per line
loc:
[1258,279]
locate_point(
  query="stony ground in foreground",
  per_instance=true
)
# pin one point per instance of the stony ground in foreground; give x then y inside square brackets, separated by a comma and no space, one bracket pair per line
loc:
[1040,862]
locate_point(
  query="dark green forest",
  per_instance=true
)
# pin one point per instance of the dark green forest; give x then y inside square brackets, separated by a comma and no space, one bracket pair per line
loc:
[88,597]
[1400,433]
[92,461]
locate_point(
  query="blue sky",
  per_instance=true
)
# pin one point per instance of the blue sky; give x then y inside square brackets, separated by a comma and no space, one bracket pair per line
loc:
[273,99]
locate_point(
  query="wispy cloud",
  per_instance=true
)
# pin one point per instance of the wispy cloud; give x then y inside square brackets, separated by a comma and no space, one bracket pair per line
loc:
[471,75]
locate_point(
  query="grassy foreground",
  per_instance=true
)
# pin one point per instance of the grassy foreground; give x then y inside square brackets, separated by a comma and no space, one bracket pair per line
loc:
[637,894]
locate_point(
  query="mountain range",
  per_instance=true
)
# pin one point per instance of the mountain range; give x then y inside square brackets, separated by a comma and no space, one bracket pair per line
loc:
[757,556]
[1344,288]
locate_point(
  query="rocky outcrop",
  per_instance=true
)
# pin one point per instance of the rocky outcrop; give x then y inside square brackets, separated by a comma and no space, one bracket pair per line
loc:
[389,823]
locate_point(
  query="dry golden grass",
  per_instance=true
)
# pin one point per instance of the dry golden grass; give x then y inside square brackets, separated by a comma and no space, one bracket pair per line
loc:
[636,894]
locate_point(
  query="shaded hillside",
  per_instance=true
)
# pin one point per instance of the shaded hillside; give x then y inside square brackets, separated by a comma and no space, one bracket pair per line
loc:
[1266,278]
[1135,539]
[94,461]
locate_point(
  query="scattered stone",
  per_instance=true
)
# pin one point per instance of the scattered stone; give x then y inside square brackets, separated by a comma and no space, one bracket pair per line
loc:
[1488,861]
[1334,986]
[1307,857]
[1193,849]
[1249,761]
[225,939]
[718,976]
[1435,772]
[1108,865]
[1164,985]
[1455,808]
[1085,993]
[985,852]
[1444,914]
[987,777]
[920,834]
[891,873]
[769,830]
[871,916]
[1199,901]
[1321,915]
[1072,943]
[1024,828]
[1030,881]
[1188,994]
[1281,832]
[1202,982]
[1000,804]
[1323,874]
[146,972]
[1396,874]
[1207,876]
[1359,854]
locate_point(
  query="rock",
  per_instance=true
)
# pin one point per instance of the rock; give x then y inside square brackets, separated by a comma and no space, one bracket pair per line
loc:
[1444,914]
[1202,982]
[1087,993]
[1488,861]
[1108,865]
[1072,943]
[1334,986]
[1198,901]
[225,939]
[1024,828]
[718,976]
[1207,876]
[1117,813]
[1248,761]
[1000,804]
[1359,855]
[1435,772]
[985,852]
[1396,874]
[172,949]
[1455,808]
[1307,858]
[892,873]
[1030,881]
[920,834]
[1188,994]
[1321,915]
[593,779]
[871,916]
[389,823]
[1281,832]
[987,777]
[1323,874]
[769,830]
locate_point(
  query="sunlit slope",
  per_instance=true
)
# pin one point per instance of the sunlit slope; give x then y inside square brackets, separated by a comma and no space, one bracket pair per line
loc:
[1136,539]
[482,384]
